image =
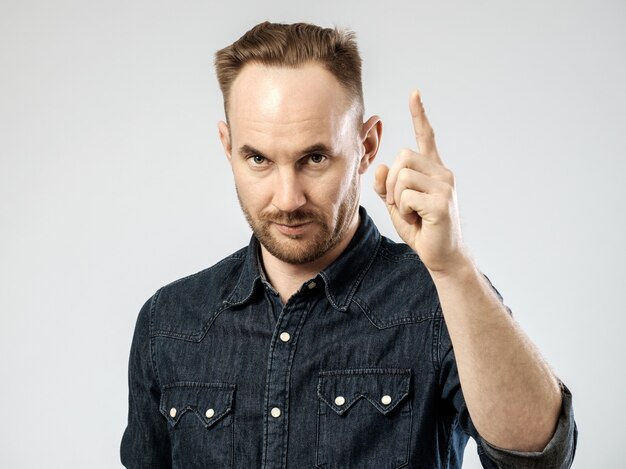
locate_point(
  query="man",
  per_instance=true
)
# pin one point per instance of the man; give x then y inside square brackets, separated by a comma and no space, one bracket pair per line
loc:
[323,343]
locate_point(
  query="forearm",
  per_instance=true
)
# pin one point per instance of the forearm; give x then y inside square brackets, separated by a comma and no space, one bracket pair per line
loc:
[512,396]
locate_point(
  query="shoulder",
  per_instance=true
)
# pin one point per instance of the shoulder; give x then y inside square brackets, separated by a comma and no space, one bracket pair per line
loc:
[182,308]
[397,252]
[216,278]
[397,288]
[397,264]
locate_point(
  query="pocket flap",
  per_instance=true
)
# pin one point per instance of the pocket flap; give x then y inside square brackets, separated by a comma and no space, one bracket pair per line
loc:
[384,388]
[209,401]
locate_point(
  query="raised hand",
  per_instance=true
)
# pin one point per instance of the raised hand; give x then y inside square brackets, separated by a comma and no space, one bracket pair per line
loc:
[420,196]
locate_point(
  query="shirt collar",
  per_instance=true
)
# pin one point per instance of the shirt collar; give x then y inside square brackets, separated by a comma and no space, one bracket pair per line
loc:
[344,275]
[341,278]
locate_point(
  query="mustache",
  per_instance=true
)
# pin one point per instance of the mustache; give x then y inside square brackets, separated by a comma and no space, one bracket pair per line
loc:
[297,217]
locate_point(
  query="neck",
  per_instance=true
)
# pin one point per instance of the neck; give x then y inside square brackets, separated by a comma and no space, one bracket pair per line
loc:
[287,278]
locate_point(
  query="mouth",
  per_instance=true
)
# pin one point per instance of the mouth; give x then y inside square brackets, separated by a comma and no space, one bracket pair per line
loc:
[292,230]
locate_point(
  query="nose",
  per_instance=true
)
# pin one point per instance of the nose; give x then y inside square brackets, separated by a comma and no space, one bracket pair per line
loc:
[288,191]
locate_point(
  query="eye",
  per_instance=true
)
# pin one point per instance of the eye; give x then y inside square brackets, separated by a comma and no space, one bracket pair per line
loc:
[258,159]
[257,162]
[316,158]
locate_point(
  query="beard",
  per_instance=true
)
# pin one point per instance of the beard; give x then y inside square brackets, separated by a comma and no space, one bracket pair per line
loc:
[296,249]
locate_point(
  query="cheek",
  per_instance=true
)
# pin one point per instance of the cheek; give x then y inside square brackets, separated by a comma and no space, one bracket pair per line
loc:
[335,191]
[245,196]
[251,190]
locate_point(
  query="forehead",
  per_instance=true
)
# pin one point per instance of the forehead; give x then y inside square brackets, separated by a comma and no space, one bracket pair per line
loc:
[281,101]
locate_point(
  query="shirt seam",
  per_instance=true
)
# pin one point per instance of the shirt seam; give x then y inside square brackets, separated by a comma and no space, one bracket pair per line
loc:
[151,344]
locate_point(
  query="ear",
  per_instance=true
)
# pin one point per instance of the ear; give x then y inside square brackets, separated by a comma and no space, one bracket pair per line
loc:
[371,133]
[224,131]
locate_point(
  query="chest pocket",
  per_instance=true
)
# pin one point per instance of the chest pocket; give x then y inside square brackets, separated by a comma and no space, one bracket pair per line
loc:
[200,422]
[364,418]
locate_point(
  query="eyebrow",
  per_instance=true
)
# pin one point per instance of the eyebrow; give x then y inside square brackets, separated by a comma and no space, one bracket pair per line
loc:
[246,150]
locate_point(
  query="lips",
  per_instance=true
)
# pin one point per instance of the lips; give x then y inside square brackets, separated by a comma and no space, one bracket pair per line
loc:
[292,230]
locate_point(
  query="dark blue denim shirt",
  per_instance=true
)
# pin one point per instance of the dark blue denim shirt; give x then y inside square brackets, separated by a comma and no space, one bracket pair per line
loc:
[356,370]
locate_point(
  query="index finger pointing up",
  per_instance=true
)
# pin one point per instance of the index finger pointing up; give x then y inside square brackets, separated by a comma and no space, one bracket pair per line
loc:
[424,135]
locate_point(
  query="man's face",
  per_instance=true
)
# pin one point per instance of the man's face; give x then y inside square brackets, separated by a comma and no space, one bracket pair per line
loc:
[296,152]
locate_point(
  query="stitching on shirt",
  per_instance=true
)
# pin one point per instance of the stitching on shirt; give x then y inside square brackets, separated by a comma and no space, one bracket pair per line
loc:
[183,385]
[231,301]
[191,337]
[404,386]
[355,284]
[237,302]
[396,322]
[365,371]
[199,384]
[390,256]
[372,400]
[152,345]
[436,345]
[199,336]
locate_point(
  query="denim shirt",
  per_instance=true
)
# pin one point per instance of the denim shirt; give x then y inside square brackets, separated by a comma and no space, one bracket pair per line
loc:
[356,370]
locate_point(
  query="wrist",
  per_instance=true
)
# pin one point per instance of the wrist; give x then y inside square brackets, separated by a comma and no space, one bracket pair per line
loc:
[460,266]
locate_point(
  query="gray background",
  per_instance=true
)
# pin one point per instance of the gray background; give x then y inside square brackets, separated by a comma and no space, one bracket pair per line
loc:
[113,183]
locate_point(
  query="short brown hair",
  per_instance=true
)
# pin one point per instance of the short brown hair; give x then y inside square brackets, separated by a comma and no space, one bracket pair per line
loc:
[293,45]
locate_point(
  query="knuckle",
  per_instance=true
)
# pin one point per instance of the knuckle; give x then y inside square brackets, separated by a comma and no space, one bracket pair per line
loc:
[406,197]
[404,203]
[405,154]
[448,176]
[399,189]
[404,175]
[403,196]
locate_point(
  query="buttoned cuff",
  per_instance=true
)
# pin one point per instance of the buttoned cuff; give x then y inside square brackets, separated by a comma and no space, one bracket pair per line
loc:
[558,453]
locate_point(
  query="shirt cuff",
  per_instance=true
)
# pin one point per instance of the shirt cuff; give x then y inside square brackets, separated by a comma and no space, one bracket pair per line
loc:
[558,453]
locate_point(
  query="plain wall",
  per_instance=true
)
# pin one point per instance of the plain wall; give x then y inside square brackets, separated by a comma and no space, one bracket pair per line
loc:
[113,182]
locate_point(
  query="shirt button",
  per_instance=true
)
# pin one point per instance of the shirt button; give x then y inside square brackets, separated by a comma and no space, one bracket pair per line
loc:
[209,413]
[312,285]
[173,412]
[339,400]
[284,336]
[386,400]
[275,412]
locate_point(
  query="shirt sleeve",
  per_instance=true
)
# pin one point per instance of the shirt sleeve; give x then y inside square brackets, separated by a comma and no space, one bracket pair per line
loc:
[558,453]
[145,443]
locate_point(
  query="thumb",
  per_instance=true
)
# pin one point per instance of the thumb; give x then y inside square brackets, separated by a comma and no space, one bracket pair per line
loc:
[380,181]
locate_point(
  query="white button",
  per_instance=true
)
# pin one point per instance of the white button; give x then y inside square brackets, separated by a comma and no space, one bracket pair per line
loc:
[173,412]
[209,413]
[386,400]
[312,285]
[339,400]
[275,412]
[284,336]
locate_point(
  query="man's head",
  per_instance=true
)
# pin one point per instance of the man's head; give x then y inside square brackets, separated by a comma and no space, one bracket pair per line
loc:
[295,139]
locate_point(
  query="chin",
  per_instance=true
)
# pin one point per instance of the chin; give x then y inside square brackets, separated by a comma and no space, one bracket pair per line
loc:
[295,254]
